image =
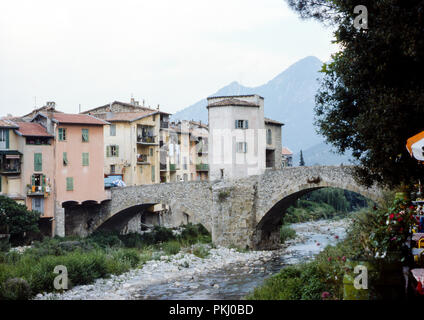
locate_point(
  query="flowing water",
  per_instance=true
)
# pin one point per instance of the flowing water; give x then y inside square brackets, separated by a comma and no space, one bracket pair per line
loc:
[237,280]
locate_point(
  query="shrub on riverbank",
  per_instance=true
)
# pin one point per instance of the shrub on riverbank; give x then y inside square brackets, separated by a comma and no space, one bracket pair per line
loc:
[286,233]
[97,256]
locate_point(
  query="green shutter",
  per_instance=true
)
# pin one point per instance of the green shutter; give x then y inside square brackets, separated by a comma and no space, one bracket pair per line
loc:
[153,173]
[65,158]
[38,162]
[7,138]
[117,151]
[108,151]
[247,124]
[69,184]
[32,180]
[84,135]
[85,159]
[235,125]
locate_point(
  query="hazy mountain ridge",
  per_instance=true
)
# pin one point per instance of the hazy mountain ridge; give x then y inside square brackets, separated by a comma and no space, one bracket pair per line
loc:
[289,98]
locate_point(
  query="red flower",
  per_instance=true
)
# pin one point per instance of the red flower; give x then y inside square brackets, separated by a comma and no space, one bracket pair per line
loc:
[401,230]
[412,207]
[336,237]
[344,258]
[325,295]
[400,219]
[329,259]
[391,216]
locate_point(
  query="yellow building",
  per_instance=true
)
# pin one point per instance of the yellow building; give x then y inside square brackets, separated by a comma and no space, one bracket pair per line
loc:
[132,141]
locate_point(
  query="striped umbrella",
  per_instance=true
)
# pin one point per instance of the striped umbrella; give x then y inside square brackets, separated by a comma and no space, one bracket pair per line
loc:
[415,146]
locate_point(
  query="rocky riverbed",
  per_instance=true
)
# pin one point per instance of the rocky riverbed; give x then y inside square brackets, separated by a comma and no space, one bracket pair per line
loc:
[224,274]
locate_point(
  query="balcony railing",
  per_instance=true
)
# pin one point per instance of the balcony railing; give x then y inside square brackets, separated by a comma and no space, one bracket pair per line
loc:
[146,139]
[38,190]
[202,167]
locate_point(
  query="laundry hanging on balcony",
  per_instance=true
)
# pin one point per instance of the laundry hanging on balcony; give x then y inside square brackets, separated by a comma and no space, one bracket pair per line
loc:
[415,146]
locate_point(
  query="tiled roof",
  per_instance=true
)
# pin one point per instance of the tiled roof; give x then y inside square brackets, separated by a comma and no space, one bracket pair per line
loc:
[232,102]
[77,119]
[4,123]
[268,120]
[286,151]
[137,108]
[128,116]
[32,129]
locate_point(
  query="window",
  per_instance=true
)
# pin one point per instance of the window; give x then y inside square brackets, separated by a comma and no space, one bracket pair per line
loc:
[38,204]
[151,152]
[38,162]
[112,131]
[85,158]
[241,147]
[269,136]
[112,151]
[62,134]
[112,168]
[69,184]
[242,124]
[84,135]
[65,158]
[4,138]
[153,174]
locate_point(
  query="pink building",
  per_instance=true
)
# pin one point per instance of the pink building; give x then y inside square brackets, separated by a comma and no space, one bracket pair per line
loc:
[72,165]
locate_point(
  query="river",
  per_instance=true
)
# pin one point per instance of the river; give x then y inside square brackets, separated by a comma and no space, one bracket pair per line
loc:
[224,274]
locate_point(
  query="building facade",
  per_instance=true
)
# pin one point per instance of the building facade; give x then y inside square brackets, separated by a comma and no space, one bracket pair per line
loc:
[287,157]
[238,137]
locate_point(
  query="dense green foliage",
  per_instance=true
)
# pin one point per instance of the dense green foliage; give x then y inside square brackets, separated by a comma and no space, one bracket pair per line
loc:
[286,233]
[372,96]
[326,203]
[86,259]
[17,220]
[322,278]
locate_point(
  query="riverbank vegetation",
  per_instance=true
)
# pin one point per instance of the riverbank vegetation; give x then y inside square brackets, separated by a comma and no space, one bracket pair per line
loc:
[326,203]
[372,236]
[22,275]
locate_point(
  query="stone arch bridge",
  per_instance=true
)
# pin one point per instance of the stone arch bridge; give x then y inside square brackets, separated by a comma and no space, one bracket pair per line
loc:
[245,212]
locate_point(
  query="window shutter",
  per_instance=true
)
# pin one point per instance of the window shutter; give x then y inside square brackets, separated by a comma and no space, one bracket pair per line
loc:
[117,150]
[107,151]
[153,173]
[65,158]
[245,147]
[43,179]
[32,180]
[236,123]
[69,184]
[85,159]
[38,162]
[246,122]
[7,138]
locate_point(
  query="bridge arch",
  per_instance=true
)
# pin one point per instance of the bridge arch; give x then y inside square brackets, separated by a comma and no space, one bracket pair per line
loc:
[279,196]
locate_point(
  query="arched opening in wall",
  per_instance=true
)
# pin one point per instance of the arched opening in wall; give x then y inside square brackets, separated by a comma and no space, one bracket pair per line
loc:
[137,218]
[310,204]
[79,217]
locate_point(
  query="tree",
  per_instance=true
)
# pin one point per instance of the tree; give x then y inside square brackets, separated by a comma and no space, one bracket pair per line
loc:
[371,99]
[17,219]
[301,162]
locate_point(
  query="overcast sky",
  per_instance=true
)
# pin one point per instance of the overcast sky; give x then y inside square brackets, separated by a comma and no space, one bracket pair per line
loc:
[168,52]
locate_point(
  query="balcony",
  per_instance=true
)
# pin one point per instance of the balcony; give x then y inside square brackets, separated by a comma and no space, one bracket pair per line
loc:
[10,162]
[34,191]
[164,124]
[163,167]
[147,140]
[202,167]
[142,159]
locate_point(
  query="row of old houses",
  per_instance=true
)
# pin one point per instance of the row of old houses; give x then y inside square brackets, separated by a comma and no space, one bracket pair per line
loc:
[51,160]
